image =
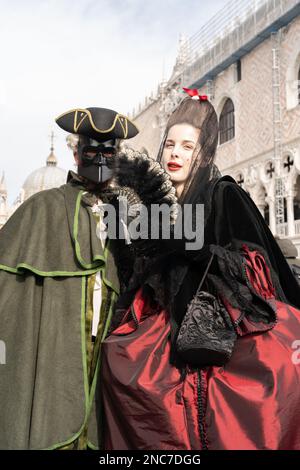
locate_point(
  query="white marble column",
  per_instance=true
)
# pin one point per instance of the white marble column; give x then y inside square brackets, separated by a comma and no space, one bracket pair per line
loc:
[272,216]
[258,195]
[261,207]
[290,214]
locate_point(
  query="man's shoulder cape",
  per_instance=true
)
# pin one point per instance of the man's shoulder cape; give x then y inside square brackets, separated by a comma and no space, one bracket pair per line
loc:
[53,233]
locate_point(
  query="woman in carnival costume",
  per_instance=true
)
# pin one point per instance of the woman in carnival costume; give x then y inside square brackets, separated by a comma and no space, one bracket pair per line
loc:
[206,356]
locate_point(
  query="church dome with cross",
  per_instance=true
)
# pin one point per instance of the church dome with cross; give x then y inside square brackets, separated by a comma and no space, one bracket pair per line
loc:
[47,177]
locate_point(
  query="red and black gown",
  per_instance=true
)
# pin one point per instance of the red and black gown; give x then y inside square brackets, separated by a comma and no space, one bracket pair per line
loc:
[252,402]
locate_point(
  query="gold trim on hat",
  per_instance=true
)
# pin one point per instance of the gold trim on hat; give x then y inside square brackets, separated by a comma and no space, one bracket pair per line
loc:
[86,112]
[124,124]
[78,123]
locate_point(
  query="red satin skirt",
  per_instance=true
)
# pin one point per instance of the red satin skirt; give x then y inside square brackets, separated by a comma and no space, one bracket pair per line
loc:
[251,403]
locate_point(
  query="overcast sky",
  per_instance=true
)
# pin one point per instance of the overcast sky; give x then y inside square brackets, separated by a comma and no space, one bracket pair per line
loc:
[56,55]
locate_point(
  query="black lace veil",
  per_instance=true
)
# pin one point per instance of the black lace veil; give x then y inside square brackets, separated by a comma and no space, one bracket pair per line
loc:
[203,171]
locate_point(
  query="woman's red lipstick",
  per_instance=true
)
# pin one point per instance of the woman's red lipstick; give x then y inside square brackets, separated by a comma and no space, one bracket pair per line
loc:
[174,166]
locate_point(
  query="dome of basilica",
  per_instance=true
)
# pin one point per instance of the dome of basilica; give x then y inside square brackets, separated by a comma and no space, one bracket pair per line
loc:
[47,177]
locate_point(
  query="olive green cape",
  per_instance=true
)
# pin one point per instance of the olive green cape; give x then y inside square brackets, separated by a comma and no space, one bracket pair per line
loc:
[48,248]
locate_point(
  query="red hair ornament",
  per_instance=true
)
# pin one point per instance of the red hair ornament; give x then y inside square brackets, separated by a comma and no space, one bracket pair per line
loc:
[194,94]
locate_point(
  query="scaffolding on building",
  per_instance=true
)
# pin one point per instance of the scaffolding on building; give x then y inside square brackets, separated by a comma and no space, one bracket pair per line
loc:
[234,31]
[277,130]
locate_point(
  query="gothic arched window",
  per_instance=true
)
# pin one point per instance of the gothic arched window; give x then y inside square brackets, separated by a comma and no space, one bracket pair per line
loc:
[227,122]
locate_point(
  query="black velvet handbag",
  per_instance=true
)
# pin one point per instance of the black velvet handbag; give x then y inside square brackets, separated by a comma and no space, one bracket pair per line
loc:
[206,336]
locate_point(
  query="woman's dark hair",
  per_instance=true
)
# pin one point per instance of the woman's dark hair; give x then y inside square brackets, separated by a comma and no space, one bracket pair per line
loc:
[201,115]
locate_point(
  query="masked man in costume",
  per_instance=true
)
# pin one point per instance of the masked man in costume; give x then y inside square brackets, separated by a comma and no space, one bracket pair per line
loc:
[59,282]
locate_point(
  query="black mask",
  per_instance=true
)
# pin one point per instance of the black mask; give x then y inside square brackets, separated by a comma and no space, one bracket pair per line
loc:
[95,159]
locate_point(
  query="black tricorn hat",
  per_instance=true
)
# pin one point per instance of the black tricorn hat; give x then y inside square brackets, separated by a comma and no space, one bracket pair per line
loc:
[100,124]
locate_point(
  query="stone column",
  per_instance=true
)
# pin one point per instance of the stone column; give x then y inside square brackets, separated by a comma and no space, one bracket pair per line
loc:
[261,207]
[257,192]
[272,215]
[290,213]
